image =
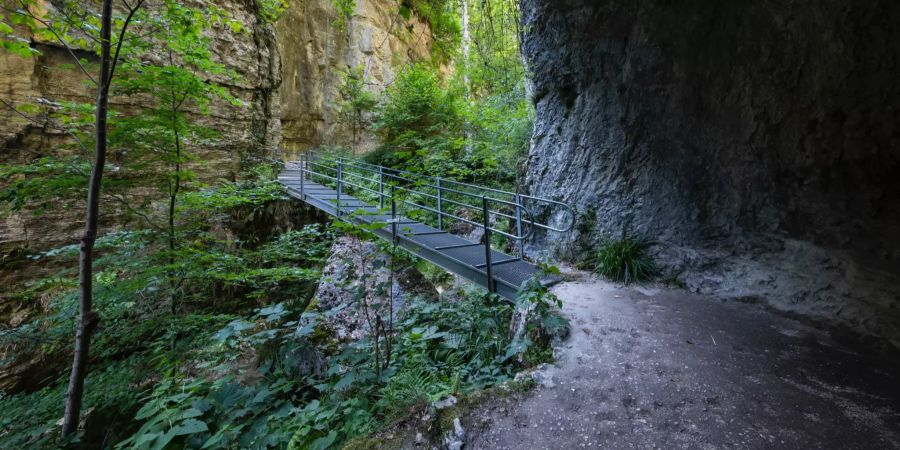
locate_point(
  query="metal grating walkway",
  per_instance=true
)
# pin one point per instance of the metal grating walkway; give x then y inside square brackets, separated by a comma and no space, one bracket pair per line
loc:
[451,252]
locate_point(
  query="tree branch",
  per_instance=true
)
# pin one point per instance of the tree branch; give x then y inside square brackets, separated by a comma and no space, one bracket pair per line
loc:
[46,124]
[62,41]
[131,12]
[125,203]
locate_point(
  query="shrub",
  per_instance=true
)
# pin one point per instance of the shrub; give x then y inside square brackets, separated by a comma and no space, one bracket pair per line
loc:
[625,260]
[418,118]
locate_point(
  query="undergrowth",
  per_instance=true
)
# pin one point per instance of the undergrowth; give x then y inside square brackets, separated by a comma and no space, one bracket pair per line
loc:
[245,358]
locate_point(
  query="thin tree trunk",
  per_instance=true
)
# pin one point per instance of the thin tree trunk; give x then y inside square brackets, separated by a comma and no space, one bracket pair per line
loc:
[87,319]
[173,196]
[466,40]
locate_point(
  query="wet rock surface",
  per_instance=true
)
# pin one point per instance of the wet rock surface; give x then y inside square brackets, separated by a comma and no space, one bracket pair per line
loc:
[662,368]
[756,141]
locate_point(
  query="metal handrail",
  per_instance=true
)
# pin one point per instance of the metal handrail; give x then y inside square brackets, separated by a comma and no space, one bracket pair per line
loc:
[343,173]
[343,163]
[436,181]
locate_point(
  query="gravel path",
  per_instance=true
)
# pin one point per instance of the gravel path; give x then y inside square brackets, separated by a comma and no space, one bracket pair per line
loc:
[661,368]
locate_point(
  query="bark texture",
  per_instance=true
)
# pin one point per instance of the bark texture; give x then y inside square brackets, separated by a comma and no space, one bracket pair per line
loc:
[757,141]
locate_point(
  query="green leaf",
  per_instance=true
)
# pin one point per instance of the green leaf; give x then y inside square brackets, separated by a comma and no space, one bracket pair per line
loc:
[190,426]
[189,414]
[145,438]
[324,442]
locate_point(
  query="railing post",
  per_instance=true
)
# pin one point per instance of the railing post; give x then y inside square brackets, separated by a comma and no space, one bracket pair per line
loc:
[302,176]
[521,241]
[393,216]
[440,211]
[487,244]
[380,187]
[340,176]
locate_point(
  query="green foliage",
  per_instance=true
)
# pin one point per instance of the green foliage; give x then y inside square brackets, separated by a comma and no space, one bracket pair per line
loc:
[41,183]
[442,17]
[271,10]
[151,147]
[418,119]
[474,127]
[356,102]
[229,196]
[345,9]
[624,260]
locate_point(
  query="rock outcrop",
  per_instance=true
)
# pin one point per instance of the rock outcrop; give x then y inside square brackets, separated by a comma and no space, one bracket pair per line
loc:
[756,141]
[357,286]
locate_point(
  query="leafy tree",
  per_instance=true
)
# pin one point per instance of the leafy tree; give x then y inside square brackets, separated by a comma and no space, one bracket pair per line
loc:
[31,14]
[418,118]
[443,25]
[158,140]
[356,103]
[154,139]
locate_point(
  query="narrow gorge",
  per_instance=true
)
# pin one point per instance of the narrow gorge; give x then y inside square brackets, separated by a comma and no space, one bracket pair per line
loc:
[449,224]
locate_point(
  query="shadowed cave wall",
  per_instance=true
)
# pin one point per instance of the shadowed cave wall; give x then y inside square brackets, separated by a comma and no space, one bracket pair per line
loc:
[758,142]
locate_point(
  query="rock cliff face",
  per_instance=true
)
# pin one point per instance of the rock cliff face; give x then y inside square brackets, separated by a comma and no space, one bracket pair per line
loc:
[253,130]
[314,49]
[757,141]
[305,48]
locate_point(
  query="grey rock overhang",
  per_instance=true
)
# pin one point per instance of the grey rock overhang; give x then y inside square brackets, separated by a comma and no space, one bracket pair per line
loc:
[757,141]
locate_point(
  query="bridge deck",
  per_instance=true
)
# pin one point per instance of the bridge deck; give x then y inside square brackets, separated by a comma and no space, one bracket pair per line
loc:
[451,252]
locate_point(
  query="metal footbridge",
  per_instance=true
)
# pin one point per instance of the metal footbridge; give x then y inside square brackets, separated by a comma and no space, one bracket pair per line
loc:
[421,214]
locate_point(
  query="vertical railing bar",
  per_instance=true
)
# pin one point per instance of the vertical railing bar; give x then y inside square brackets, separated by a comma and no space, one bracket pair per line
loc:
[380,187]
[393,215]
[340,173]
[487,244]
[521,242]
[440,211]
[302,172]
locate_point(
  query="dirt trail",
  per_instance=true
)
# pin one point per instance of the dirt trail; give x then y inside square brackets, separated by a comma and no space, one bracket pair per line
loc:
[661,368]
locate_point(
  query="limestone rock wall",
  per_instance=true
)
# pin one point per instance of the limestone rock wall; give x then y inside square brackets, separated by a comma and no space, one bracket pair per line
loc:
[313,51]
[757,141]
[246,131]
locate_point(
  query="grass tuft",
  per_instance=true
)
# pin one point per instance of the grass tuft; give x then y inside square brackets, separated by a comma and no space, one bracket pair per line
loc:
[625,260]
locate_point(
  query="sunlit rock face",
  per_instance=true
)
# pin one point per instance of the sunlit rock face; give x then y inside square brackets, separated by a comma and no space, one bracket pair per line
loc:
[314,49]
[757,141]
[305,48]
[250,131]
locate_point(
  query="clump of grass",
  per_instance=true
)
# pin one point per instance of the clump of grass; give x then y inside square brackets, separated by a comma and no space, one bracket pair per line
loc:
[625,260]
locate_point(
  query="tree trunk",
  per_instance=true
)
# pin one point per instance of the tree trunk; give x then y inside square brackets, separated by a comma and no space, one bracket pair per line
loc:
[464,18]
[87,319]
[173,197]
